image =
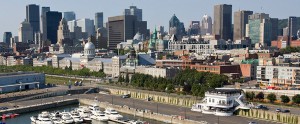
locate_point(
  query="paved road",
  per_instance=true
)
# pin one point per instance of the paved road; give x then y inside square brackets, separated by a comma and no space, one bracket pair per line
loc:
[143,104]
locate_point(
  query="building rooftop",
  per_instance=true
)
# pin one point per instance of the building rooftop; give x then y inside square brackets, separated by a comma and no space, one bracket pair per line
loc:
[17,73]
[225,91]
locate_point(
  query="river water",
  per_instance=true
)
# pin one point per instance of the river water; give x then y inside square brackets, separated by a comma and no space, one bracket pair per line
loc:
[25,118]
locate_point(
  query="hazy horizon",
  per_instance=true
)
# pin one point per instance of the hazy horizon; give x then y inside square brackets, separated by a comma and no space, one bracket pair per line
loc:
[155,12]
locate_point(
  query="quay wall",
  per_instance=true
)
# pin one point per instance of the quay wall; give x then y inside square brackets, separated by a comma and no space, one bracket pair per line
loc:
[271,116]
[172,99]
[142,113]
[38,107]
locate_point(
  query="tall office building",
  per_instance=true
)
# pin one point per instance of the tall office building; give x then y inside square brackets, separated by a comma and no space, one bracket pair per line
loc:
[122,28]
[274,34]
[223,21]
[259,28]
[240,21]
[292,26]
[63,34]
[87,25]
[194,28]
[52,22]
[43,22]
[176,27]
[6,37]
[98,20]
[133,10]
[71,25]
[33,16]
[206,25]
[69,16]
[25,32]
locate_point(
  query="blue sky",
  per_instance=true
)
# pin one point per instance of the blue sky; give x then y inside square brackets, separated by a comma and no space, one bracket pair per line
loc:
[156,12]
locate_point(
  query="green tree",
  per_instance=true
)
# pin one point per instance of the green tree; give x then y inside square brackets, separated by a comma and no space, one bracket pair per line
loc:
[127,78]
[271,97]
[296,98]
[260,96]
[250,95]
[285,98]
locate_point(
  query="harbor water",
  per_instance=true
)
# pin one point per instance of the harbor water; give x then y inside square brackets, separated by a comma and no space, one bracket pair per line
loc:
[25,118]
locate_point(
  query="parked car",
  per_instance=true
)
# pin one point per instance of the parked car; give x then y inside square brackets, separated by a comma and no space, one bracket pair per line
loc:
[286,111]
[263,107]
[278,110]
[126,96]
[3,108]
[253,122]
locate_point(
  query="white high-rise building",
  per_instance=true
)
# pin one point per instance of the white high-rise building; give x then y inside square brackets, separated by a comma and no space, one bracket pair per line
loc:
[206,25]
[25,32]
[87,26]
[71,25]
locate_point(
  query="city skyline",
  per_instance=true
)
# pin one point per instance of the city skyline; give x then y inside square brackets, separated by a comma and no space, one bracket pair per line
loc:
[193,11]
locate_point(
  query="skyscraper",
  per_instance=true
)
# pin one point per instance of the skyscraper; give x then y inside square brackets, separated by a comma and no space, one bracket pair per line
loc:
[52,22]
[69,16]
[43,21]
[194,28]
[6,37]
[206,25]
[259,28]
[63,33]
[292,26]
[274,22]
[33,16]
[223,21]
[98,20]
[122,28]
[133,10]
[240,21]
[87,26]
[25,32]
[71,25]
[176,27]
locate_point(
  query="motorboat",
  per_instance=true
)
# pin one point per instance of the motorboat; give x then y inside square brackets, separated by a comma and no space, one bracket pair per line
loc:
[76,117]
[85,113]
[112,114]
[66,118]
[94,107]
[99,116]
[135,122]
[43,118]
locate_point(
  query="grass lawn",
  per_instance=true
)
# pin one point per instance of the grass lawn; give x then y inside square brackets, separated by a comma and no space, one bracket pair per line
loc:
[59,80]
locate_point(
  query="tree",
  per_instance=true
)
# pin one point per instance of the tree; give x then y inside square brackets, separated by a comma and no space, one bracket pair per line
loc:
[260,96]
[271,97]
[285,98]
[127,78]
[250,96]
[296,99]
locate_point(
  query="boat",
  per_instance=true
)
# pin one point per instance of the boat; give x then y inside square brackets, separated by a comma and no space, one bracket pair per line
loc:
[66,118]
[76,117]
[99,116]
[85,113]
[135,122]
[112,114]
[43,118]
[94,107]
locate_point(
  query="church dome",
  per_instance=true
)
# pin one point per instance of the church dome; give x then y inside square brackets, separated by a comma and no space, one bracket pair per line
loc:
[89,46]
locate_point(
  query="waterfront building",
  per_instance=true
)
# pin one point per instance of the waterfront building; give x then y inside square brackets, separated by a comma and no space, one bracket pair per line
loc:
[17,81]
[52,22]
[223,21]
[33,17]
[69,16]
[221,102]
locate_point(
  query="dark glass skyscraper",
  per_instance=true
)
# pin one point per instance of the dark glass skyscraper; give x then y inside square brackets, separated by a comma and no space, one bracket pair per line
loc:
[69,16]
[33,16]
[223,21]
[98,20]
[6,37]
[52,22]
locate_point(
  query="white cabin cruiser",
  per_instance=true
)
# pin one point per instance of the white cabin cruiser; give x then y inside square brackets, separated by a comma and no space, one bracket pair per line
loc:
[94,107]
[43,118]
[112,114]
[76,117]
[85,113]
[99,116]
[66,117]
[221,102]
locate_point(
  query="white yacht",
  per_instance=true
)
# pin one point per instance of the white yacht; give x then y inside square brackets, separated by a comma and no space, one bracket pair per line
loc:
[112,114]
[85,113]
[221,102]
[76,117]
[99,116]
[66,117]
[94,107]
[43,118]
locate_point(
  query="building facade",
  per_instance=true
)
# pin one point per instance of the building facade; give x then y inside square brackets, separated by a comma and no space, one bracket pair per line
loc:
[33,17]
[223,21]
[6,37]
[133,10]
[52,22]
[206,25]
[25,32]
[240,21]
[98,20]
[87,25]
[69,16]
